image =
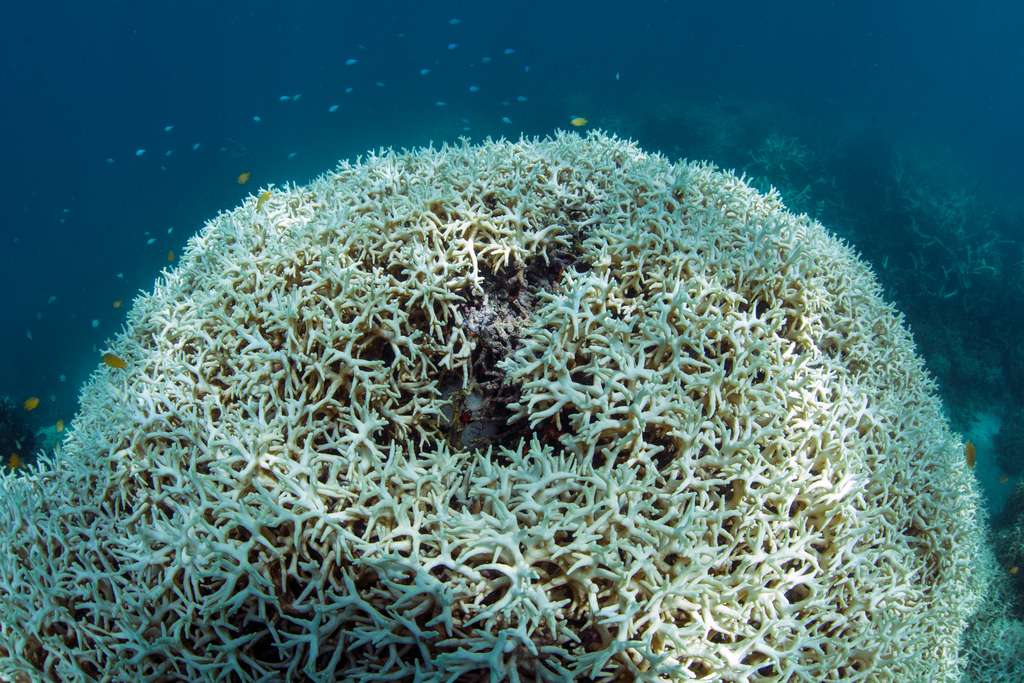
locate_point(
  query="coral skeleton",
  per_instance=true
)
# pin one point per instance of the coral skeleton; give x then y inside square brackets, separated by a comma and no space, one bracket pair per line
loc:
[545,410]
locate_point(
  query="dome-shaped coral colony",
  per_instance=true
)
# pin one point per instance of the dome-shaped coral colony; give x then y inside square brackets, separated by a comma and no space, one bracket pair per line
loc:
[545,410]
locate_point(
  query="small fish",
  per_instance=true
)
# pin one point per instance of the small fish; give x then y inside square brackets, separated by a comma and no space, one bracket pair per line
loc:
[52,299]
[577,121]
[110,160]
[31,403]
[505,119]
[474,88]
[424,72]
[1004,479]
[455,21]
[351,61]
[62,378]
[195,146]
[14,461]
[1014,570]
[292,155]
[452,46]
[168,128]
[333,108]
[150,241]
[140,151]
[256,119]
[243,177]
[348,90]
[262,199]
[170,256]
[284,98]
[116,303]
[112,360]
[59,426]
[970,454]
[440,103]
[510,50]
[94,323]
[521,98]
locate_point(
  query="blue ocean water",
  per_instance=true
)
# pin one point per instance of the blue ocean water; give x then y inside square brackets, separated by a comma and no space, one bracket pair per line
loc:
[127,125]
[897,124]
[87,87]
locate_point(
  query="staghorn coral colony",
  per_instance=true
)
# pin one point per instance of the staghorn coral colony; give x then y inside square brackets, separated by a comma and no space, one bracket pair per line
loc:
[540,411]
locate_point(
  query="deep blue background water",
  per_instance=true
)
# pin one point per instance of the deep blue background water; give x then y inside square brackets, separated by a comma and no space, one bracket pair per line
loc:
[86,83]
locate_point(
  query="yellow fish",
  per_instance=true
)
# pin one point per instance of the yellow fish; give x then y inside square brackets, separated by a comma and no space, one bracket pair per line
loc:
[59,426]
[264,196]
[31,403]
[243,177]
[14,462]
[114,361]
[117,303]
[578,121]
[170,256]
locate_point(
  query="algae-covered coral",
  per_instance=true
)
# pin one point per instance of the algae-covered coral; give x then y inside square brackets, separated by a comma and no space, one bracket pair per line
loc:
[548,410]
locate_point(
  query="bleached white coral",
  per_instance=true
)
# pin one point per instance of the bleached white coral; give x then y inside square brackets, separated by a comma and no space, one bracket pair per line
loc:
[546,410]
[993,644]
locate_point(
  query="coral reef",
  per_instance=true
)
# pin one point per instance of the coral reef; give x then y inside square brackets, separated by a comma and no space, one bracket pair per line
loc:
[1008,537]
[1009,441]
[994,642]
[545,410]
[958,249]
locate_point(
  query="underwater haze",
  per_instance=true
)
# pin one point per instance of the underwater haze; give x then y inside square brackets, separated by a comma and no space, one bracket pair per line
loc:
[127,125]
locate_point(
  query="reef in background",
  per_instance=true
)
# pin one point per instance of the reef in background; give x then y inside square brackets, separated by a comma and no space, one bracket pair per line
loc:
[17,439]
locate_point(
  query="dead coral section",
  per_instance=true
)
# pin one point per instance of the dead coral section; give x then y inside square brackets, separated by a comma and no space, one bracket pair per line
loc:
[495,323]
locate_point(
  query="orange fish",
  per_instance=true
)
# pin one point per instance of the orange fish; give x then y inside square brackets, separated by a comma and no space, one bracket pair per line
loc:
[14,462]
[117,303]
[970,454]
[243,177]
[170,255]
[114,361]
[578,121]
[59,426]
[31,403]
